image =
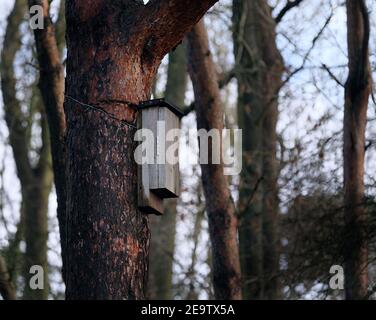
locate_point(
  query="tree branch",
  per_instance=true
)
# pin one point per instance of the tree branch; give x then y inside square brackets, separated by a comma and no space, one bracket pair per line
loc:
[225,78]
[289,5]
[170,20]
[306,56]
[331,74]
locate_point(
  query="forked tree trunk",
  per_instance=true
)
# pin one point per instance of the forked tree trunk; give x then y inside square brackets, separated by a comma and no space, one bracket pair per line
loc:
[114,50]
[219,203]
[357,92]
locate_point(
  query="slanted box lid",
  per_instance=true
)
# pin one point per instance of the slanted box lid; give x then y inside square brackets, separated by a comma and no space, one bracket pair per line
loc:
[161,103]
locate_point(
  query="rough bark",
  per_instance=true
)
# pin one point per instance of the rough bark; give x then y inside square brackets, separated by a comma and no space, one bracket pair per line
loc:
[114,50]
[35,181]
[163,228]
[259,72]
[219,203]
[51,85]
[357,92]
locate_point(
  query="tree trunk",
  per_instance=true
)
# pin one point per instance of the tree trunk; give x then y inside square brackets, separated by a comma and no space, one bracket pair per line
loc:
[114,50]
[163,228]
[193,293]
[357,92]
[35,181]
[36,232]
[51,85]
[36,198]
[219,203]
[259,71]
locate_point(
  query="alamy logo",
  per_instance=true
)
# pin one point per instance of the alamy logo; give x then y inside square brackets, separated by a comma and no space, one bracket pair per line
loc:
[36,17]
[336,282]
[163,148]
[36,282]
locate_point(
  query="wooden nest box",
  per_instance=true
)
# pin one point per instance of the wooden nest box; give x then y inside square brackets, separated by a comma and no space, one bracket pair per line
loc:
[158,179]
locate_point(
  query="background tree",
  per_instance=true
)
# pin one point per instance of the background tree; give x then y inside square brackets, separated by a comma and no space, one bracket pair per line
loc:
[51,86]
[36,180]
[258,68]
[357,92]
[219,203]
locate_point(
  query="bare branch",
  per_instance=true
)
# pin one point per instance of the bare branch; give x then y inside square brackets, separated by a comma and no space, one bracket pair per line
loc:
[331,74]
[225,78]
[306,56]
[289,5]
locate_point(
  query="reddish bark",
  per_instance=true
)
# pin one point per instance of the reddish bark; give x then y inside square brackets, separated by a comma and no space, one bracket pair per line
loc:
[114,50]
[219,203]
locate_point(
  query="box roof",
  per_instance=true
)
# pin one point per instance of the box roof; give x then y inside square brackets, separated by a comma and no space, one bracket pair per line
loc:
[161,103]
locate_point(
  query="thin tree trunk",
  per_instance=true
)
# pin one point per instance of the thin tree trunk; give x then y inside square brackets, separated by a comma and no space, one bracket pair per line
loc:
[36,218]
[219,203]
[197,228]
[35,181]
[163,228]
[259,72]
[51,85]
[272,75]
[114,50]
[357,92]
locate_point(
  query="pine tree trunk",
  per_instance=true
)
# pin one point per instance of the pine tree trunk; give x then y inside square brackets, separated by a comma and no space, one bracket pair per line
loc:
[114,50]
[108,237]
